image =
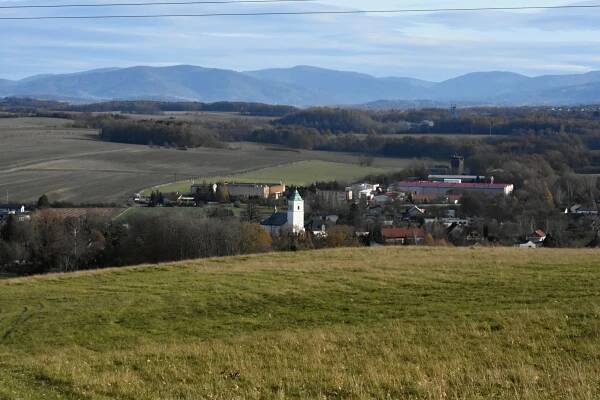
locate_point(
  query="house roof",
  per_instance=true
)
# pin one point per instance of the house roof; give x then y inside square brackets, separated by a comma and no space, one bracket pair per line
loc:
[402,233]
[277,219]
[539,233]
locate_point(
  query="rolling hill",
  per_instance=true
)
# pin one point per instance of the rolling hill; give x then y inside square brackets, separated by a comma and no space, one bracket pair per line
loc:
[304,86]
[419,323]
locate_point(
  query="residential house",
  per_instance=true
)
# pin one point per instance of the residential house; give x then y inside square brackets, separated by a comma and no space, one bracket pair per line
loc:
[360,191]
[403,236]
[580,210]
[413,213]
[318,226]
[538,237]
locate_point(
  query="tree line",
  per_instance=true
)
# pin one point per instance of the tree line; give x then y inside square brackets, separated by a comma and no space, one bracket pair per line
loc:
[51,242]
[19,104]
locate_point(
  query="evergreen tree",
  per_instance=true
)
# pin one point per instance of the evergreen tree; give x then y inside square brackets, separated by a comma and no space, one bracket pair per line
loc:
[43,202]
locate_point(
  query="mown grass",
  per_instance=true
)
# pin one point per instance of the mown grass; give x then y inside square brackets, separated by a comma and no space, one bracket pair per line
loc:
[418,323]
[295,173]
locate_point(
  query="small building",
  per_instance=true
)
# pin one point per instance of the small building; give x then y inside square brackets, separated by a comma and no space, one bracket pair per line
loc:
[318,226]
[6,210]
[538,237]
[382,199]
[292,220]
[248,190]
[277,191]
[403,236]
[361,191]
[413,213]
[528,245]
[578,209]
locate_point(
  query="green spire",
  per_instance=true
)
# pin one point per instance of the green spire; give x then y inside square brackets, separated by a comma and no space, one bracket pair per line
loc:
[296,196]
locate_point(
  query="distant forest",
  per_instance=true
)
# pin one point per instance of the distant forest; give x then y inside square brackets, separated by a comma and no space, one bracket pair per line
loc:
[16,104]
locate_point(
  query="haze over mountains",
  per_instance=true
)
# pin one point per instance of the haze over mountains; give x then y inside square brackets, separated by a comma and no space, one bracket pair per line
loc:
[304,86]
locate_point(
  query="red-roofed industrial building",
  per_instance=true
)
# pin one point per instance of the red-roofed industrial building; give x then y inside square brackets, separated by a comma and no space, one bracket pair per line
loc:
[438,189]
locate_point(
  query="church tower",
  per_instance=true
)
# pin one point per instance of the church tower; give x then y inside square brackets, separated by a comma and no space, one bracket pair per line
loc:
[295,214]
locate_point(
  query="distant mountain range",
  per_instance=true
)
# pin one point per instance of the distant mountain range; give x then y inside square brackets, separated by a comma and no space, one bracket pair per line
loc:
[304,86]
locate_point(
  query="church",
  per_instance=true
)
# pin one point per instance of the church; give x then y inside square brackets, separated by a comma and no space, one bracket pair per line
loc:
[292,220]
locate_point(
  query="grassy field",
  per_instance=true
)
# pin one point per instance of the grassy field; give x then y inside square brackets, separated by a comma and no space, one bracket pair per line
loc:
[297,173]
[46,155]
[397,323]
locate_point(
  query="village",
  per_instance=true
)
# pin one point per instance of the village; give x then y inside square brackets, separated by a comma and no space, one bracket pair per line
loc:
[413,211]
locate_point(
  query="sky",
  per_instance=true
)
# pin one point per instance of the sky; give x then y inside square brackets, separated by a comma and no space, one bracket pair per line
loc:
[432,46]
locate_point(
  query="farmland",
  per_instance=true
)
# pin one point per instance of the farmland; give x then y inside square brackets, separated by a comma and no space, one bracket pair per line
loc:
[299,173]
[49,155]
[420,323]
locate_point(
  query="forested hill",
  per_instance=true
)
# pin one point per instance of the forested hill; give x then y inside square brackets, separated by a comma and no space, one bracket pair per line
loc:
[304,86]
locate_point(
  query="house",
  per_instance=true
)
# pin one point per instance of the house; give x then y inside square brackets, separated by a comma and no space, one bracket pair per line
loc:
[382,199]
[292,220]
[413,213]
[403,236]
[528,245]
[318,225]
[172,198]
[538,237]
[580,210]
[248,190]
[360,191]
[277,191]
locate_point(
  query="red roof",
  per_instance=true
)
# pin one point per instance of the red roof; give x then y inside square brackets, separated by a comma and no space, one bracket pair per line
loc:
[402,233]
[454,185]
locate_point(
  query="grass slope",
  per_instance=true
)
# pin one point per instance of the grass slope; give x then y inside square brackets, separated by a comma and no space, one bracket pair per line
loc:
[413,323]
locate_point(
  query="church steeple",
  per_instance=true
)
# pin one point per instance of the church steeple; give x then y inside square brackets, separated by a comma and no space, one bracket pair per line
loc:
[295,214]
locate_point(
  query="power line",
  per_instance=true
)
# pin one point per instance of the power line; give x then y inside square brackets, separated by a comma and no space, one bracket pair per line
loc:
[153,3]
[282,13]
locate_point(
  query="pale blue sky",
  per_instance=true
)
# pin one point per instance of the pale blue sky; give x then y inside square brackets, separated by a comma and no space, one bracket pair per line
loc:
[431,46]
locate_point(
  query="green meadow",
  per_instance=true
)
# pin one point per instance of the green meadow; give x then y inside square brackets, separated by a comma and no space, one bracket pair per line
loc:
[381,323]
[296,173]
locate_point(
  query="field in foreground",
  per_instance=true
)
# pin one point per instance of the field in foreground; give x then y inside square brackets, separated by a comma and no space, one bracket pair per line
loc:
[393,323]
